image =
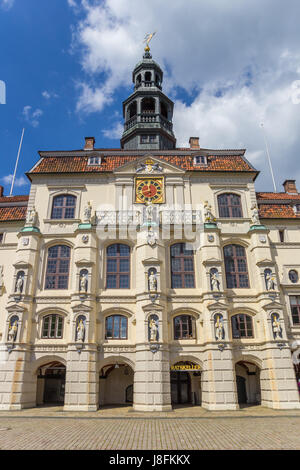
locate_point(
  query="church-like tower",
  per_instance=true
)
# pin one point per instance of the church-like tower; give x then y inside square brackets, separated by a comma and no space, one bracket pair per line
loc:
[148,112]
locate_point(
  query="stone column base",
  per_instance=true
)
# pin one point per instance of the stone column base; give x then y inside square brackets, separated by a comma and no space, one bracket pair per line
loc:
[220,407]
[81,408]
[138,407]
[281,405]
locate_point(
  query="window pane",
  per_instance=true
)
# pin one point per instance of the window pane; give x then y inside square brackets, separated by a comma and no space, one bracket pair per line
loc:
[112,250]
[124,281]
[123,327]
[189,280]
[176,281]
[111,265]
[111,281]
[124,265]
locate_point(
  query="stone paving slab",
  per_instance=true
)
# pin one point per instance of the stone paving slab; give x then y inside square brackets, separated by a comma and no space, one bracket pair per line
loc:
[249,433]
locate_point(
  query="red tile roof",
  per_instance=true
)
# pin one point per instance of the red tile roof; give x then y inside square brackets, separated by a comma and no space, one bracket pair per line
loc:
[9,214]
[7,199]
[277,205]
[276,196]
[73,164]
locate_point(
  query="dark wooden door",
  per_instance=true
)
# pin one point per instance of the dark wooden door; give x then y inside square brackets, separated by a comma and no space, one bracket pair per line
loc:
[241,389]
[180,388]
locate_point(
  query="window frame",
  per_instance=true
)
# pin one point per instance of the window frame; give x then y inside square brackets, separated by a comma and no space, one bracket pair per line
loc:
[182,257]
[245,316]
[120,317]
[229,206]
[236,273]
[64,207]
[190,327]
[57,318]
[57,274]
[297,306]
[118,273]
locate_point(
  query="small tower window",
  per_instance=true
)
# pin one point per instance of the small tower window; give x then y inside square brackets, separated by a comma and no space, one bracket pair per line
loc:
[281,236]
[132,110]
[164,110]
[148,77]
[148,105]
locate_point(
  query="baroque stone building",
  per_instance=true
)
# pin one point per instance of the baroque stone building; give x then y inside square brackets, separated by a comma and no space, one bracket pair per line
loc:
[150,275]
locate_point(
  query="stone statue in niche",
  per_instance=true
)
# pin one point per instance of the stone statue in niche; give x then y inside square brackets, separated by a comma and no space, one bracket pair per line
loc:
[255,215]
[219,328]
[87,213]
[153,329]
[83,282]
[80,330]
[31,217]
[208,215]
[152,279]
[20,283]
[270,280]
[276,327]
[12,331]
[149,212]
[214,279]
[151,237]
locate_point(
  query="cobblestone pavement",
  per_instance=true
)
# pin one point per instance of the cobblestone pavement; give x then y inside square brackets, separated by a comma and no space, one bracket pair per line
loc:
[127,431]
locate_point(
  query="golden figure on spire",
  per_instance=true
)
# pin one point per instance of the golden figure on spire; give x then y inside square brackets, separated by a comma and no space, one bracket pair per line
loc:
[147,39]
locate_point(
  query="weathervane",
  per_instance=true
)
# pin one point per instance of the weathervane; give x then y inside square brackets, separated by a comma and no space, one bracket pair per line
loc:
[147,39]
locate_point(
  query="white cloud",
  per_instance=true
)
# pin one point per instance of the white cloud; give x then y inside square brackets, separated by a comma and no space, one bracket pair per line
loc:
[235,61]
[114,132]
[48,95]
[6,4]
[32,117]
[19,182]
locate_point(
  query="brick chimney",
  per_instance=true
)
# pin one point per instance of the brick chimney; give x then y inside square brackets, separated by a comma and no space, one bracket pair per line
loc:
[1,191]
[194,143]
[89,143]
[290,187]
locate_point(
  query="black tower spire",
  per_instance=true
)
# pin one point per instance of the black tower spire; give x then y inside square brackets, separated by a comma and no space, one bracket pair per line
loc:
[148,112]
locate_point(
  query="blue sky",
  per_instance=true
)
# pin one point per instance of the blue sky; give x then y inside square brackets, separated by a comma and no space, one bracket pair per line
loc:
[228,65]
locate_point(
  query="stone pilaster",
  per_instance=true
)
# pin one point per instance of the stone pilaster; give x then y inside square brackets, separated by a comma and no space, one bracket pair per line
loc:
[218,380]
[82,380]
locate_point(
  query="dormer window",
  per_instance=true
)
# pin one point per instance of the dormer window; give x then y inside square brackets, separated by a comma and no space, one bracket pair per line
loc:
[94,161]
[297,209]
[200,160]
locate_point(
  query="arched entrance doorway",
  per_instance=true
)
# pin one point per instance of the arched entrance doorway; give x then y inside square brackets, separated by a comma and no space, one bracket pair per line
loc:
[185,379]
[248,383]
[51,381]
[116,385]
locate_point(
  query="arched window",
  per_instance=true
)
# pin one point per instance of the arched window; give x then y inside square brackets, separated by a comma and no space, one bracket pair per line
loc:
[236,266]
[132,109]
[116,327]
[230,205]
[148,105]
[163,110]
[63,207]
[242,326]
[148,77]
[52,326]
[118,266]
[182,266]
[57,273]
[183,327]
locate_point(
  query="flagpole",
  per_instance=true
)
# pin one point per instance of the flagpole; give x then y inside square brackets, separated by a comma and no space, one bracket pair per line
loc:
[17,162]
[269,158]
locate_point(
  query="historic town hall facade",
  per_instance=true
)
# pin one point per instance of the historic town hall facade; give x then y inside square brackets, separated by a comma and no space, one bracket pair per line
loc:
[149,275]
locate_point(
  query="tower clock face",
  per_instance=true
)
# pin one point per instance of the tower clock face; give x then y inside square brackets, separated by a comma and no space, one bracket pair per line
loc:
[149,190]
